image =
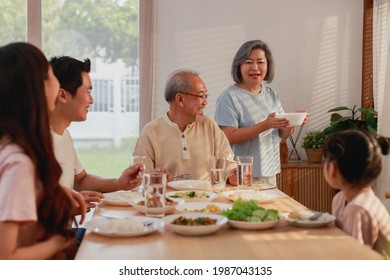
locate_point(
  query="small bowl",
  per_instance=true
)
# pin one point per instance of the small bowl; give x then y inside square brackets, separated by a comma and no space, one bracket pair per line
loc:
[194,230]
[295,119]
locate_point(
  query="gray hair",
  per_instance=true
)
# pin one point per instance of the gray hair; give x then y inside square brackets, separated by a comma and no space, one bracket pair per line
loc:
[243,53]
[178,81]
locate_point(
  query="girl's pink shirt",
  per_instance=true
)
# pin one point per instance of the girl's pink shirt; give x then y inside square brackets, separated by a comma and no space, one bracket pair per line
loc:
[19,193]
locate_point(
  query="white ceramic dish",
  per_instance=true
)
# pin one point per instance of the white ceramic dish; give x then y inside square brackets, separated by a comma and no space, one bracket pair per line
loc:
[169,209]
[121,198]
[200,196]
[262,196]
[295,119]
[185,185]
[122,227]
[253,225]
[194,230]
[201,207]
[303,220]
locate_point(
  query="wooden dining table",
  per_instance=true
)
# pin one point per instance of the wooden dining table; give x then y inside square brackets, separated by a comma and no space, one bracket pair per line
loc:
[283,242]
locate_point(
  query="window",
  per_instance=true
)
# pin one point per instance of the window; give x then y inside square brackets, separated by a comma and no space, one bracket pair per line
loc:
[13,21]
[107,34]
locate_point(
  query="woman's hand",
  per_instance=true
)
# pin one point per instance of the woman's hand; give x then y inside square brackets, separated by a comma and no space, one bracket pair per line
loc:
[91,198]
[78,203]
[274,122]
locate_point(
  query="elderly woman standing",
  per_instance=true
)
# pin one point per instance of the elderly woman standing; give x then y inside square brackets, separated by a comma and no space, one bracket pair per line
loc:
[246,110]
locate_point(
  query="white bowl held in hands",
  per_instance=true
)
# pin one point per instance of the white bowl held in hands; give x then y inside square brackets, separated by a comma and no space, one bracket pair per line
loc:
[295,119]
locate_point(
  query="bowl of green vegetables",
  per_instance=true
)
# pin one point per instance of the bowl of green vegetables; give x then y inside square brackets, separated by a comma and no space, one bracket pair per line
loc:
[250,215]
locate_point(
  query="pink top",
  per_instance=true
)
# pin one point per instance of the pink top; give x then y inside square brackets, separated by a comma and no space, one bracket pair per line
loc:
[364,218]
[18,192]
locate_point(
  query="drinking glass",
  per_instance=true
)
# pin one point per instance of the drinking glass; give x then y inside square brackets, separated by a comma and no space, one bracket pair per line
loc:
[217,172]
[141,160]
[244,171]
[155,187]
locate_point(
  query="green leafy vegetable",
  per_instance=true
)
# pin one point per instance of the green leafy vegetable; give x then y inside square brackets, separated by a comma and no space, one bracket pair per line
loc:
[250,211]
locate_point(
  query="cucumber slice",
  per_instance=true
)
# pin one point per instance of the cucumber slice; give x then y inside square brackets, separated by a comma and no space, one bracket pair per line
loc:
[261,213]
[255,219]
[271,216]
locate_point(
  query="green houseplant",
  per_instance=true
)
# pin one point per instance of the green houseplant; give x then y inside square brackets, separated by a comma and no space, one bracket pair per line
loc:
[313,143]
[353,120]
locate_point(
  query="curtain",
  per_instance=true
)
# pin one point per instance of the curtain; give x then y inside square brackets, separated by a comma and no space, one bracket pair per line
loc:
[381,83]
[146,57]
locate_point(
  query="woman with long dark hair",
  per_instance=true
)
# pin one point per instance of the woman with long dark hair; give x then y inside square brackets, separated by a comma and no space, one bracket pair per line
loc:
[35,211]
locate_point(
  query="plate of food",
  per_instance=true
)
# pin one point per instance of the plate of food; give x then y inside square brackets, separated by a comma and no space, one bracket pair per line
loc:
[121,198]
[194,223]
[191,196]
[249,215]
[263,196]
[203,207]
[170,205]
[124,227]
[188,185]
[308,218]
[295,119]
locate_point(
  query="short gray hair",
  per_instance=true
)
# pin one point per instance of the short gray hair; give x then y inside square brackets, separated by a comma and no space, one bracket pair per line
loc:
[178,81]
[243,53]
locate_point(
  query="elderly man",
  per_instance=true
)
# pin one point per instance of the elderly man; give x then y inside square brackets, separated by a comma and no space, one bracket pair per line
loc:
[183,139]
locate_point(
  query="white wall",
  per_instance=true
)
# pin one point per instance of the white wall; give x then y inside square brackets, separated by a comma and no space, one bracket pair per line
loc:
[316,46]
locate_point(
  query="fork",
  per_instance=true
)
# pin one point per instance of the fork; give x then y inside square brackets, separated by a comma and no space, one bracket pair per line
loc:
[182,176]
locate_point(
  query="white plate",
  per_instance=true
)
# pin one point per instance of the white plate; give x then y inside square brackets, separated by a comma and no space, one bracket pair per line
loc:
[189,185]
[295,119]
[201,206]
[253,225]
[303,220]
[265,196]
[200,196]
[168,209]
[121,198]
[121,227]
[194,230]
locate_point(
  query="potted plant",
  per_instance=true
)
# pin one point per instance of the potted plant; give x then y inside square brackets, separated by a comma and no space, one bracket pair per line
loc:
[338,122]
[313,143]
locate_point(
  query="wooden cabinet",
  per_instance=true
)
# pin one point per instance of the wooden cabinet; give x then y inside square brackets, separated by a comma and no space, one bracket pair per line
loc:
[305,182]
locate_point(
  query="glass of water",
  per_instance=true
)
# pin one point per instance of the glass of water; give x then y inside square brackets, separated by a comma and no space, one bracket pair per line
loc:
[218,172]
[155,187]
[141,160]
[244,171]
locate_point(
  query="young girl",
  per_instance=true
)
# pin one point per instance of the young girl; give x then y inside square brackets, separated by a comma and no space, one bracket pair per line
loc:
[35,212]
[353,162]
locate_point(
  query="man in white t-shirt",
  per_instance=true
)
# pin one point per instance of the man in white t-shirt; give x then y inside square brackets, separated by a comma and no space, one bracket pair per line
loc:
[72,104]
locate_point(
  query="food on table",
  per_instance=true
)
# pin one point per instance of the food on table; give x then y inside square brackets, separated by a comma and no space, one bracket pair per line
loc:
[294,215]
[121,225]
[167,203]
[252,195]
[306,215]
[200,221]
[194,185]
[211,208]
[123,196]
[190,195]
[250,211]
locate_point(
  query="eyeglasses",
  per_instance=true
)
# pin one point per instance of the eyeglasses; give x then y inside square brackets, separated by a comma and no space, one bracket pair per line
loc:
[203,96]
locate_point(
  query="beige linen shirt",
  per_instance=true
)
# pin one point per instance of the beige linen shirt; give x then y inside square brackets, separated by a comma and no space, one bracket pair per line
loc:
[165,145]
